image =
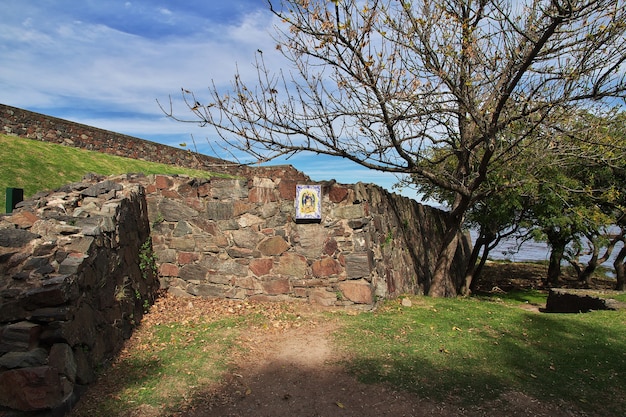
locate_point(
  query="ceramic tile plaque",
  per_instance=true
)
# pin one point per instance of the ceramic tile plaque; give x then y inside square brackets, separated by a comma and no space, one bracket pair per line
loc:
[308,202]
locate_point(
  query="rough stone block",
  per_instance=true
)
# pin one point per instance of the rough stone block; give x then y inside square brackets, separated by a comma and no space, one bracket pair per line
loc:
[357,265]
[310,238]
[207,290]
[326,267]
[276,286]
[31,389]
[62,358]
[578,301]
[353,211]
[246,238]
[262,195]
[337,193]
[15,238]
[260,267]
[359,292]
[193,272]
[273,246]
[322,297]
[53,292]
[169,270]
[184,258]
[291,264]
[174,210]
[13,360]
[21,336]
[217,210]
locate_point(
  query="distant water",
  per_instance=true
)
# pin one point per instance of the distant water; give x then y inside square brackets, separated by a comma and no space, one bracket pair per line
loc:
[532,251]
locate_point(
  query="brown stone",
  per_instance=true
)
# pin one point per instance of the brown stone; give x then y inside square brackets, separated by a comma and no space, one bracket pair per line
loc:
[163,182]
[168,270]
[21,336]
[193,272]
[62,358]
[170,194]
[276,286]
[337,193]
[357,266]
[322,297]
[326,267]
[287,189]
[262,195]
[291,264]
[260,267]
[273,246]
[23,219]
[195,203]
[359,292]
[240,207]
[330,247]
[187,257]
[30,389]
[237,252]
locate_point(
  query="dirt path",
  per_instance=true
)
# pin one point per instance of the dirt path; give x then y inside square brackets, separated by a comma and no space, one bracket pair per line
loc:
[295,372]
[293,368]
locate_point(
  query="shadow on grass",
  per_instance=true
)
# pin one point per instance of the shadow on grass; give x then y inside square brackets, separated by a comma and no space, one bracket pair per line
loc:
[575,361]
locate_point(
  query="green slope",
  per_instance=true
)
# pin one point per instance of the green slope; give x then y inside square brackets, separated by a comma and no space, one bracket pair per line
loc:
[36,166]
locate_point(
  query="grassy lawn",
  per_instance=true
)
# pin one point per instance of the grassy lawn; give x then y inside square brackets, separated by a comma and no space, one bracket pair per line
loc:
[471,350]
[35,166]
[457,351]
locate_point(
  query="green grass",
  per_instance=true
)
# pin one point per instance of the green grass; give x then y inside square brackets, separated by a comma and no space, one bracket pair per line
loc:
[36,166]
[460,351]
[168,365]
[473,350]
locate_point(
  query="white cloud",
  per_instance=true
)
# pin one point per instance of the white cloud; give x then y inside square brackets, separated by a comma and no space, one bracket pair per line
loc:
[75,61]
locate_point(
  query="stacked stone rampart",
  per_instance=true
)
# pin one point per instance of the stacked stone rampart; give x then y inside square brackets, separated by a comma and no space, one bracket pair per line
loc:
[238,238]
[72,288]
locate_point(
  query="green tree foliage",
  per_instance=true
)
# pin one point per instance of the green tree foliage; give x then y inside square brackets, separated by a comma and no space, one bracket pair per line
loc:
[426,88]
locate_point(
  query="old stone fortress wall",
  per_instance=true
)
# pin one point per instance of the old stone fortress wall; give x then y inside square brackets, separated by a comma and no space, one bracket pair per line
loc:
[76,264]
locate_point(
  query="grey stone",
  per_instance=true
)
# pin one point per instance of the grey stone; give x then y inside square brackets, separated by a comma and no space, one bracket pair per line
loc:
[193,272]
[16,238]
[246,238]
[182,229]
[35,357]
[217,210]
[62,358]
[101,188]
[354,211]
[174,211]
[227,188]
[357,266]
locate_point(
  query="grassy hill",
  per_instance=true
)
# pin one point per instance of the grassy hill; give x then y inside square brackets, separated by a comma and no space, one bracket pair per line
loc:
[36,166]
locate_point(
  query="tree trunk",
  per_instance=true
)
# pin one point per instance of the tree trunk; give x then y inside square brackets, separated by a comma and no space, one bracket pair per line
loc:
[587,272]
[442,284]
[554,267]
[620,270]
[470,272]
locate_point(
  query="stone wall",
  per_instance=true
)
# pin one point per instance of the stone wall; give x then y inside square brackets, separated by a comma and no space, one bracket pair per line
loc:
[237,238]
[31,125]
[77,264]
[72,287]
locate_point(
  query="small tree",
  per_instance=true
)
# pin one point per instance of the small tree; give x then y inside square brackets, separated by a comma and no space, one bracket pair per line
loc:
[425,88]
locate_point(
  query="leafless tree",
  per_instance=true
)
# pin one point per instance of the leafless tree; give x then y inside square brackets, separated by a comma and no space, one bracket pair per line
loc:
[427,88]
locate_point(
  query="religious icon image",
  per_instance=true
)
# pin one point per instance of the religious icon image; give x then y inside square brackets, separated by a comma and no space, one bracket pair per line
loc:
[308,202]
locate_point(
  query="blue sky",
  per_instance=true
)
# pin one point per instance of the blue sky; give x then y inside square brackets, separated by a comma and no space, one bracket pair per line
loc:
[106,63]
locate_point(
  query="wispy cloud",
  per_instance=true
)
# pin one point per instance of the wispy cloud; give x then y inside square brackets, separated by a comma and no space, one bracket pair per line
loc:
[106,63]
